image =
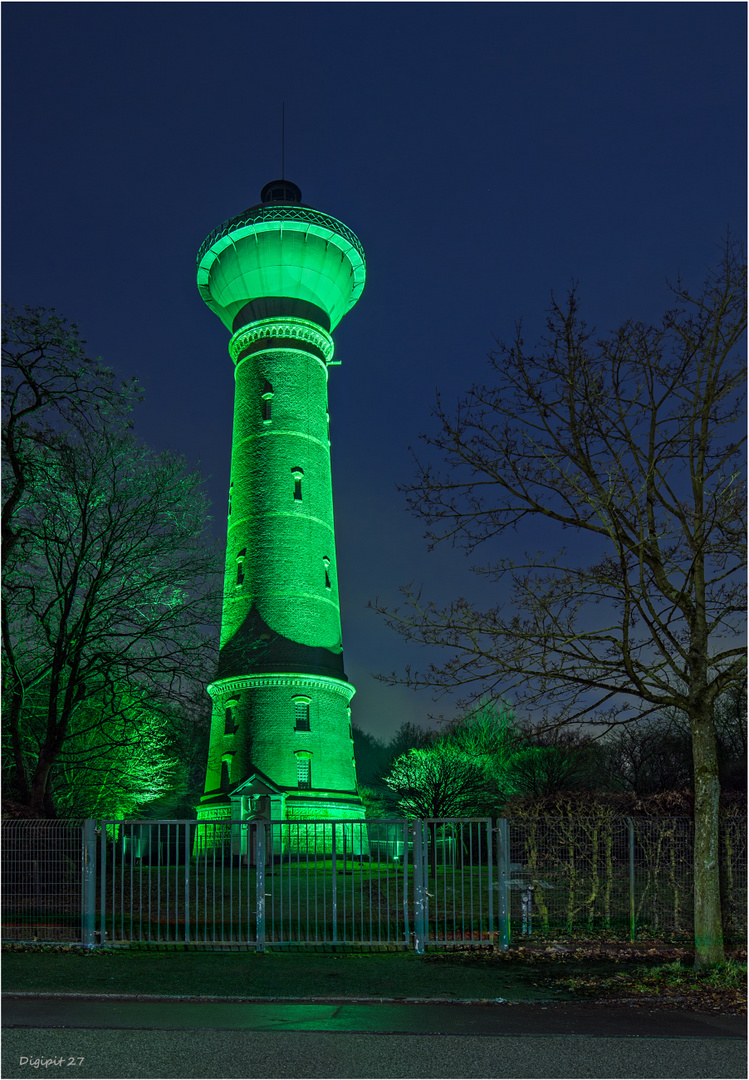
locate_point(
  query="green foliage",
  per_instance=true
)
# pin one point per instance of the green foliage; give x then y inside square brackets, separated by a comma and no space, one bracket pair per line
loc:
[512,761]
[114,767]
[126,756]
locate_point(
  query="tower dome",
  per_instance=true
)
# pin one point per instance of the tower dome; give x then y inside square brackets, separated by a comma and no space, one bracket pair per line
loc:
[282,191]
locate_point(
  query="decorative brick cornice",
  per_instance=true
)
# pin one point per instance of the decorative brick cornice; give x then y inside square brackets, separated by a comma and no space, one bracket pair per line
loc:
[289,328]
[252,682]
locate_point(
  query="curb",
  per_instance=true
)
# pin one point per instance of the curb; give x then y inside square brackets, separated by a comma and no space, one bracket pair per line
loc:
[204,999]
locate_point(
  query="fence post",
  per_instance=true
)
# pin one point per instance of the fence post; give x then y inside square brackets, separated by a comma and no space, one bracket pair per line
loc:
[88,884]
[334,871]
[103,882]
[631,835]
[187,879]
[490,873]
[419,888]
[404,870]
[260,886]
[503,882]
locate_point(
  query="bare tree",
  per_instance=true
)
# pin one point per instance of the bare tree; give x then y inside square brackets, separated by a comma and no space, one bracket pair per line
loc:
[409,736]
[633,444]
[440,781]
[110,586]
[731,727]
[647,758]
[550,764]
[49,384]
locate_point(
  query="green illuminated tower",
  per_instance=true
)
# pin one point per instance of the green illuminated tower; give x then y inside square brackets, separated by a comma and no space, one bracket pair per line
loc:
[281,276]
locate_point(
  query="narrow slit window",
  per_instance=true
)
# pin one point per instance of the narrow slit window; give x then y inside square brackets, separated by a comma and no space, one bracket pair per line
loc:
[231,485]
[226,772]
[326,564]
[266,399]
[298,474]
[230,717]
[240,566]
[303,774]
[301,714]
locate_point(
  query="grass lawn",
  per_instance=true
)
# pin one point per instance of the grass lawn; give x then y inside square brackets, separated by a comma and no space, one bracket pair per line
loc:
[271,974]
[521,974]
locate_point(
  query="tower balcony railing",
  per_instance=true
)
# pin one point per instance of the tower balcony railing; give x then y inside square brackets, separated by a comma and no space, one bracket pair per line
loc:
[281,213]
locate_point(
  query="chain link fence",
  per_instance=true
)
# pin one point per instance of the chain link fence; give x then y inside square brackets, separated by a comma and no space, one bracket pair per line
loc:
[617,879]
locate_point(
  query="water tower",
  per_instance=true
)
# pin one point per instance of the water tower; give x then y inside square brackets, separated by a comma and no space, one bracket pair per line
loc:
[281,276]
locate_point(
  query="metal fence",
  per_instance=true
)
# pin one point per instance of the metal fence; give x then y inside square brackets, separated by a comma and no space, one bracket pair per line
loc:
[46,869]
[255,883]
[609,877]
[379,883]
[386,883]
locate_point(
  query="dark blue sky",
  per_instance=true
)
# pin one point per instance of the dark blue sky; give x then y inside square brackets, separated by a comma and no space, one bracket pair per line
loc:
[485,154]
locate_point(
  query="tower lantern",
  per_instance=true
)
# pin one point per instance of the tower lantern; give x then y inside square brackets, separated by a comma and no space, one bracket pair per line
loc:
[281,276]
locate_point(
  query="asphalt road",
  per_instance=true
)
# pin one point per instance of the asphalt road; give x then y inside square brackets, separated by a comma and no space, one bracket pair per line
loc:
[78,1037]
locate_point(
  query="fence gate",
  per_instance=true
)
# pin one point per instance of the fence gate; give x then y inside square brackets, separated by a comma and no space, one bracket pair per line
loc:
[253,883]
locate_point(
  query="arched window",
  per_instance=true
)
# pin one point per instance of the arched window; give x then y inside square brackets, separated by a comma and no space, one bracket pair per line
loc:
[301,714]
[240,566]
[267,402]
[297,473]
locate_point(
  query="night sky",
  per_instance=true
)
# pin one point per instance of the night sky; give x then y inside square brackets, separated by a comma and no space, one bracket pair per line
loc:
[485,155]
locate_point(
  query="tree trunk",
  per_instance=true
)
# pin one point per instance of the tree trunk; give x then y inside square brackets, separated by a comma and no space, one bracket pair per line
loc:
[41,801]
[19,783]
[708,924]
